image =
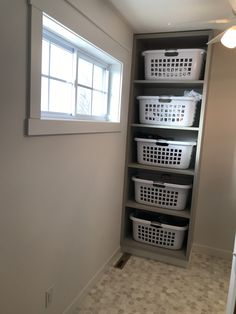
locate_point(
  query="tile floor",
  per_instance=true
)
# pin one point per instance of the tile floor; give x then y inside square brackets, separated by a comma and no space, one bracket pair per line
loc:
[145,286]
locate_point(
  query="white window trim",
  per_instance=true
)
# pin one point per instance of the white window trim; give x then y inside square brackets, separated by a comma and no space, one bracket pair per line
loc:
[48,126]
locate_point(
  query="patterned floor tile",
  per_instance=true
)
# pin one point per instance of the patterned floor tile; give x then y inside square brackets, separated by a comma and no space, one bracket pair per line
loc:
[146,286]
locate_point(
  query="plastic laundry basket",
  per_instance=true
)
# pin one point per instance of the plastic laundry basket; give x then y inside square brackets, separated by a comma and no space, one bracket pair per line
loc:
[180,64]
[171,154]
[167,110]
[161,194]
[167,233]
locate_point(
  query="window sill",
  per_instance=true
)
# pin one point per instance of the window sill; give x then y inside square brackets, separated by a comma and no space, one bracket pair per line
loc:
[56,127]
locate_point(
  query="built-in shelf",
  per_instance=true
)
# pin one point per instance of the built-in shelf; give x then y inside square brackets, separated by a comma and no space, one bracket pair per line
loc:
[154,168]
[177,257]
[176,83]
[140,86]
[153,126]
[179,213]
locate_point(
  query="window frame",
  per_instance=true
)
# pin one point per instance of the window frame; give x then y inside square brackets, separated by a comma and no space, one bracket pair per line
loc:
[42,125]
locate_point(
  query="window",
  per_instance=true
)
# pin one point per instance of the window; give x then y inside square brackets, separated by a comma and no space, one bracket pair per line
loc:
[74,84]
[75,87]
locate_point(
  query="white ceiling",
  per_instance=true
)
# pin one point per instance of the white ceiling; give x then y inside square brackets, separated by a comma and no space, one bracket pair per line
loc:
[168,15]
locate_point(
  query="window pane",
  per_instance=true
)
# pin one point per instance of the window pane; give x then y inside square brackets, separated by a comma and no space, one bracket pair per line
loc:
[61,63]
[85,72]
[100,78]
[99,104]
[45,57]
[61,97]
[44,94]
[114,101]
[83,101]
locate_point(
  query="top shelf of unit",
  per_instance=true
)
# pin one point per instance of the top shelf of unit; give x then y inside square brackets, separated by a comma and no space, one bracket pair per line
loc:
[170,83]
[188,38]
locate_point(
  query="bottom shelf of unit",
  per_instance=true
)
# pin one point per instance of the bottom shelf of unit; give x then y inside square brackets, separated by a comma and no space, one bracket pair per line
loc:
[175,257]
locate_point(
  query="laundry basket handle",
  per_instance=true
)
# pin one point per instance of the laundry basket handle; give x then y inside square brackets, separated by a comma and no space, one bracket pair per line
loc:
[159,184]
[162,144]
[156,224]
[165,100]
[171,53]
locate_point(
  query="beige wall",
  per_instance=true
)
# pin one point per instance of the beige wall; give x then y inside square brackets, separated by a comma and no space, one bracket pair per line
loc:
[216,212]
[60,196]
[102,13]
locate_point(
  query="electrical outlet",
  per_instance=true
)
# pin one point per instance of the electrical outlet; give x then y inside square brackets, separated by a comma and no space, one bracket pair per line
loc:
[49,297]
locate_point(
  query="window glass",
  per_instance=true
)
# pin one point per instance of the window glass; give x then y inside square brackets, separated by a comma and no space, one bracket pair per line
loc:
[44,94]
[99,104]
[45,57]
[84,101]
[60,97]
[85,72]
[61,63]
[98,76]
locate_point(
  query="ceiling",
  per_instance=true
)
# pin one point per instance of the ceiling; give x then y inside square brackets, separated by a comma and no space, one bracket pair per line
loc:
[168,15]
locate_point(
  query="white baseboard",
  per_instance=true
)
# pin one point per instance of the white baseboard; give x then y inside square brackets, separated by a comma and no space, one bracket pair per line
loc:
[212,251]
[72,308]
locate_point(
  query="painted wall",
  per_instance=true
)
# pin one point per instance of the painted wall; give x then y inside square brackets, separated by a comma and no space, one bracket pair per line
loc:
[216,212]
[103,14]
[60,196]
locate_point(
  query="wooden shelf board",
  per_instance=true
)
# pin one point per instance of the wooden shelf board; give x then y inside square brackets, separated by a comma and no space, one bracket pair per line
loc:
[179,213]
[176,257]
[163,169]
[138,125]
[176,82]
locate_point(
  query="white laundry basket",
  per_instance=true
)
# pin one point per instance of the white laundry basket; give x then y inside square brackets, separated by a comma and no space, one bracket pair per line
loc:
[171,154]
[161,194]
[179,64]
[167,110]
[151,229]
